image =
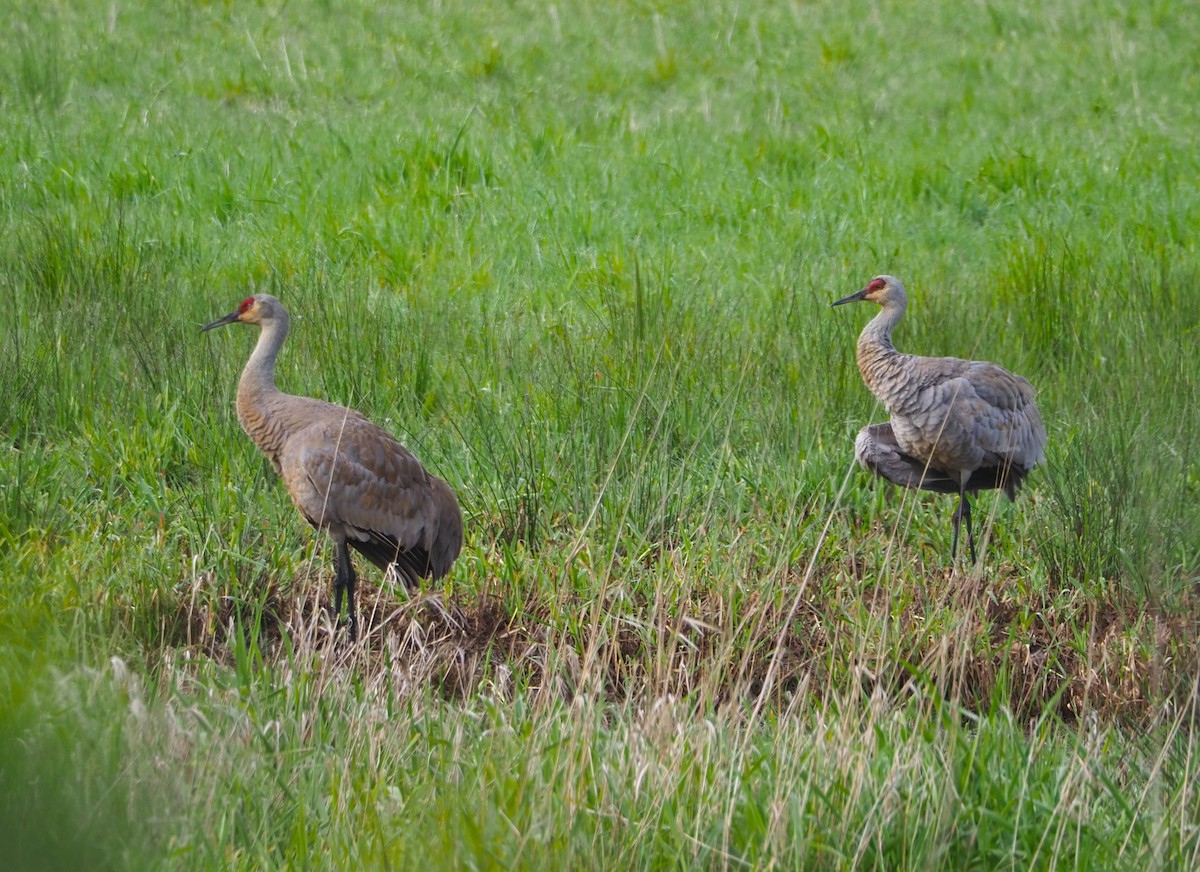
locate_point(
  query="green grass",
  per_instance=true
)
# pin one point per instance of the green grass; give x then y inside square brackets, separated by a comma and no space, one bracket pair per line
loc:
[579,258]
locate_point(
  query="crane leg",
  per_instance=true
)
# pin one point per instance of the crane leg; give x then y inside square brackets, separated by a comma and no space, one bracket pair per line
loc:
[954,519]
[970,533]
[343,581]
[962,513]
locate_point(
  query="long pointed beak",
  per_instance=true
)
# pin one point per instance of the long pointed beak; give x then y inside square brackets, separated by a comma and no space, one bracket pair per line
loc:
[221,322]
[853,298]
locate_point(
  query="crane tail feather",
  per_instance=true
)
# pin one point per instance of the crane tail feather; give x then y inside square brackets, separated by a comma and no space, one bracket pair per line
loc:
[411,564]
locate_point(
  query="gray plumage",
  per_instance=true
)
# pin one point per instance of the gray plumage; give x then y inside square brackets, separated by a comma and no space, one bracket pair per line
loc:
[345,475]
[957,426]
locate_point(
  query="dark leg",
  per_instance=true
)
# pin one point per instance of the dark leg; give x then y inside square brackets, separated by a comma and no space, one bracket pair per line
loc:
[962,513]
[954,519]
[967,517]
[344,581]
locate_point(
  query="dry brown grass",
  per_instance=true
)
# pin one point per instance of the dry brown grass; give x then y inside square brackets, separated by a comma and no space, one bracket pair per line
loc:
[978,644]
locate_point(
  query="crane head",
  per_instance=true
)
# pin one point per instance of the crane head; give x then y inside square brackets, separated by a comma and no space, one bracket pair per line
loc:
[882,290]
[253,310]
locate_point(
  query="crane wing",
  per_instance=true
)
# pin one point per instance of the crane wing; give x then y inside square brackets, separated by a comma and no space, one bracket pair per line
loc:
[356,480]
[877,450]
[1007,424]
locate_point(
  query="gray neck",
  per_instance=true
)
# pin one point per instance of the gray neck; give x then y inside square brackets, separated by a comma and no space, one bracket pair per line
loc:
[259,402]
[877,335]
[258,378]
[879,362]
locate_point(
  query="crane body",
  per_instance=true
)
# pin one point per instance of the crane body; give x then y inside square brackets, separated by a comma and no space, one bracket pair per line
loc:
[346,476]
[957,426]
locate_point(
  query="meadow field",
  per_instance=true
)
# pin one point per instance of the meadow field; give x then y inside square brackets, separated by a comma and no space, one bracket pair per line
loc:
[579,258]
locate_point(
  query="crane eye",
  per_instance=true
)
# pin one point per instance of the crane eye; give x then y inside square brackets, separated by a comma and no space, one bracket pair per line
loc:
[876,285]
[246,305]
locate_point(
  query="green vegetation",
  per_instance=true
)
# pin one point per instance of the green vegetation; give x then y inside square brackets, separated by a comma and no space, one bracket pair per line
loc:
[578,257]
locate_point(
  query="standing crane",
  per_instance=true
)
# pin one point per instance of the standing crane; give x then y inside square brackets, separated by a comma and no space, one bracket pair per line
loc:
[345,475]
[957,426]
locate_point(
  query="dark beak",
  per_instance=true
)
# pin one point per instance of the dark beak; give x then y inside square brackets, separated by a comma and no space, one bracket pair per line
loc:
[221,322]
[853,298]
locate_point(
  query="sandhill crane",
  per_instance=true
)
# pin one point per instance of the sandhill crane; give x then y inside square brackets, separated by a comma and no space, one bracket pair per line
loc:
[957,426]
[345,475]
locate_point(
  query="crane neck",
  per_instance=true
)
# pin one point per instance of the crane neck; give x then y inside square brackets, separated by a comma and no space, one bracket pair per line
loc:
[259,401]
[879,362]
[876,337]
[258,378]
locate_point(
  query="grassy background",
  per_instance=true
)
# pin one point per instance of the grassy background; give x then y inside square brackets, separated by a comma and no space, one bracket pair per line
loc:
[578,257]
